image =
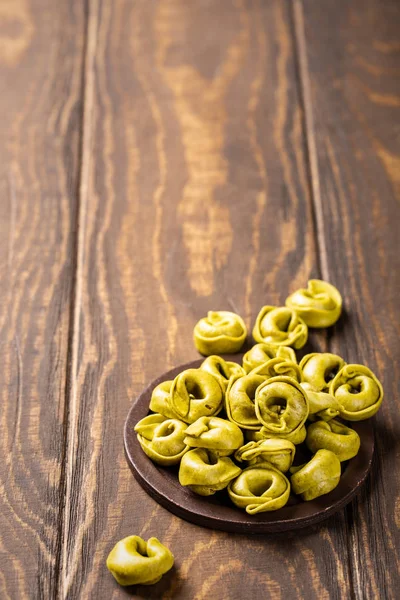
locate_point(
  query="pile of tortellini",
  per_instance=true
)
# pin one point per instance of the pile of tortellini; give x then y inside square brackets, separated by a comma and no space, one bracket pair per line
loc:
[237,426]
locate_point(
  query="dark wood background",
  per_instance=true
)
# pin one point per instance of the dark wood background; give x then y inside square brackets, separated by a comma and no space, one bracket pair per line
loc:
[159,158]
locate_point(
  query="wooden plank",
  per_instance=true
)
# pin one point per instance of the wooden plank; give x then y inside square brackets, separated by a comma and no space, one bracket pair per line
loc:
[352,51]
[41,49]
[195,195]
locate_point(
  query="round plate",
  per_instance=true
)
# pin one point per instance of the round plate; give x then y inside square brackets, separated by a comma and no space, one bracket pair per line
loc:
[216,511]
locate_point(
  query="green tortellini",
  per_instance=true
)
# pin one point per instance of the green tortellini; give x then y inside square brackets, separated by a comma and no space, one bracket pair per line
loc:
[322,405]
[317,477]
[239,400]
[159,402]
[280,326]
[319,305]
[262,353]
[216,434]
[281,405]
[266,401]
[194,394]
[333,436]
[205,472]
[259,488]
[221,369]
[297,437]
[279,452]
[279,366]
[320,368]
[162,439]
[133,561]
[358,391]
[221,332]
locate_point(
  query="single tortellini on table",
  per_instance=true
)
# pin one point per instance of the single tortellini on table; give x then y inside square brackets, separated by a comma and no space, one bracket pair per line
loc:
[195,393]
[281,405]
[358,391]
[221,369]
[162,439]
[281,326]
[239,400]
[213,433]
[296,437]
[205,472]
[317,477]
[319,368]
[333,436]
[319,305]
[133,561]
[279,452]
[322,405]
[221,332]
[262,353]
[260,488]
[279,366]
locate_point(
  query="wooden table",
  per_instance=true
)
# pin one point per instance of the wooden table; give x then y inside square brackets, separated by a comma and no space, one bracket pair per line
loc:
[159,158]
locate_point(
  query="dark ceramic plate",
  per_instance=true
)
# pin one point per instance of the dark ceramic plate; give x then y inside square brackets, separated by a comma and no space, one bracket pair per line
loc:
[217,511]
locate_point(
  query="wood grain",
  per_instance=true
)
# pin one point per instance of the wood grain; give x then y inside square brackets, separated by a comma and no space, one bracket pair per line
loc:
[353,89]
[159,158]
[41,50]
[197,195]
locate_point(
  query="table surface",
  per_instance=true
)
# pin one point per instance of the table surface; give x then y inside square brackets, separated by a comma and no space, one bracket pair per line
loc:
[159,158]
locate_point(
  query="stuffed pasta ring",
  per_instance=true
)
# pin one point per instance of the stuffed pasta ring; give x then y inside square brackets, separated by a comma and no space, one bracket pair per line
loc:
[162,439]
[281,405]
[260,488]
[358,391]
[319,305]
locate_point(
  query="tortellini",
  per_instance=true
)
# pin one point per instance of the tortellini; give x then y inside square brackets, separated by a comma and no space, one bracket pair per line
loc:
[280,326]
[319,305]
[216,434]
[159,402]
[281,405]
[322,405]
[358,391]
[279,366]
[333,436]
[317,477]
[221,369]
[133,561]
[162,439]
[221,332]
[239,401]
[320,368]
[262,353]
[205,472]
[259,488]
[267,406]
[296,437]
[194,394]
[278,452]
